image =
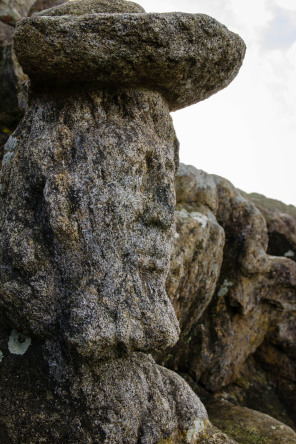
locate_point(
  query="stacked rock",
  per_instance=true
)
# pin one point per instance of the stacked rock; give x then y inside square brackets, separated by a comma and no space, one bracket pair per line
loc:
[87,218]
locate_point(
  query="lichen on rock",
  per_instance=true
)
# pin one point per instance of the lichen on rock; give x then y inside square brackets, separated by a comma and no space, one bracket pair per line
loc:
[18,343]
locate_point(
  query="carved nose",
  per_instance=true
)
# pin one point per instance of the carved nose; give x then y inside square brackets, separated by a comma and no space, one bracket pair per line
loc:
[160,210]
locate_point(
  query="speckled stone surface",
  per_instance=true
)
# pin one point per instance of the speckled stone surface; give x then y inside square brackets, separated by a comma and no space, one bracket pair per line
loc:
[87,204]
[13,81]
[86,228]
[235,302]
[186,57]
[228,293]
[46,398]
[93,191]
[82,7]
[250,426]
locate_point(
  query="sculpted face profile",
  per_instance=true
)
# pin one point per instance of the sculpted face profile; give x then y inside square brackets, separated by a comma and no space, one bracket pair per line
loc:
[87,219]
[92,245]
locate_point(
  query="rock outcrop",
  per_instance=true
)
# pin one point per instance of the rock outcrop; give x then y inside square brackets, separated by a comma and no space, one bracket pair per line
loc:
[40,5]
[281,225]
[235,303]
[249,426]
[11,78]
[13,91]
[87,220]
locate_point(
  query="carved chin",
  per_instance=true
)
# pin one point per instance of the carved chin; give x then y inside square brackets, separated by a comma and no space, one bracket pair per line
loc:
[111,324]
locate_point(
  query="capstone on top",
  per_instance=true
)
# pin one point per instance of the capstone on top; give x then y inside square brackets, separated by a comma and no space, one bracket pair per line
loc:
[186,57]
[81,7]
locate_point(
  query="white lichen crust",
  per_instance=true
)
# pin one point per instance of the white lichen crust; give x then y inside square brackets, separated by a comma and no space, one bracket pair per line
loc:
[18,343]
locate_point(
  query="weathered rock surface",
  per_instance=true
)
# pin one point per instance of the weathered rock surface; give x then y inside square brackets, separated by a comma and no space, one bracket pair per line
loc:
[44,400]
[187,57]
[13,87]
[82,7]
[198,247]
[11,78]
[232,299]
[267,380]
[281,225]
[234,302]
[282,235]
[85,243]
[40,5]
[86,226]
[260,389]
[248,426]
[94,220]
[12,10]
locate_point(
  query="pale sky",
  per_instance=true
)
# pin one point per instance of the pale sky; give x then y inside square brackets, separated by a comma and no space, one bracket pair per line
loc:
[247,132]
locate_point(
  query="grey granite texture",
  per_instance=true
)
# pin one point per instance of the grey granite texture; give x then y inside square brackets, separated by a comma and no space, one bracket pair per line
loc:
[87,198]
[186,57]
[129,400]
[87,204]
[85,235]
[82,7]
[13,82]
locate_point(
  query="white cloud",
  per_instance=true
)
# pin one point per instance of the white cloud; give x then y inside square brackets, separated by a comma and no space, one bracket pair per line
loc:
[247,132]
[290,5]
[252,16]
[282,30]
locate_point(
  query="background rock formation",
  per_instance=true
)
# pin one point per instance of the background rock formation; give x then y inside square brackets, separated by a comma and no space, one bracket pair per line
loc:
[235,303]
[281,225]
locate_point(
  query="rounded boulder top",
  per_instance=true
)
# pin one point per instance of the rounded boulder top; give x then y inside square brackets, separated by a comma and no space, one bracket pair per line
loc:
[81,7]
[186,57]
